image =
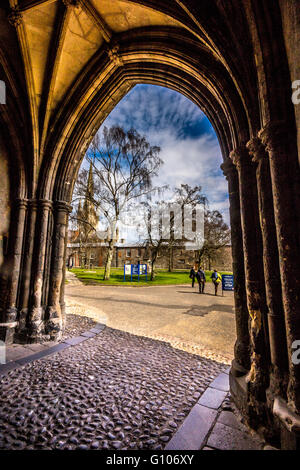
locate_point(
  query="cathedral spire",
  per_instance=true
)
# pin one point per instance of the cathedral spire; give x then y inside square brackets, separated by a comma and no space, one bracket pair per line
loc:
[88,211]
[90,184]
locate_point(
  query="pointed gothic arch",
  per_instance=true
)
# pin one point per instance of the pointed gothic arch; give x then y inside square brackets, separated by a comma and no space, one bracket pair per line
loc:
[67,63]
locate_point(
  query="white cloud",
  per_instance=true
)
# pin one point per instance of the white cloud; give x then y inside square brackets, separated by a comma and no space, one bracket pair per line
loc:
[195,162]
[189,146]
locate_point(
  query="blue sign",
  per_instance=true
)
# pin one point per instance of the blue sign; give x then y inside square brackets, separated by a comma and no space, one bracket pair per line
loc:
[135,270]
[227,282]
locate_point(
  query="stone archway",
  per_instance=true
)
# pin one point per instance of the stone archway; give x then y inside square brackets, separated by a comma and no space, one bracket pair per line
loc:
[73,60]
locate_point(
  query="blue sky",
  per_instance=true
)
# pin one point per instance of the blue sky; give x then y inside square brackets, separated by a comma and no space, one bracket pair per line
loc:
[189,146]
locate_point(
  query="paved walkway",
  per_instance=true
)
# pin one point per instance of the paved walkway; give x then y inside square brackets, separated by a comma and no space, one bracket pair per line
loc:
[113,390]
[198,323]
[108,389]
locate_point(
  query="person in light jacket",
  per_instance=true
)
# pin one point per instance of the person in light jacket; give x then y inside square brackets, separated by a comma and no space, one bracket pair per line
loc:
[216,279]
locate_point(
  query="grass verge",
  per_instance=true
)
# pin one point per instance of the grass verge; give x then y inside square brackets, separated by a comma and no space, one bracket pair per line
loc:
[163,277]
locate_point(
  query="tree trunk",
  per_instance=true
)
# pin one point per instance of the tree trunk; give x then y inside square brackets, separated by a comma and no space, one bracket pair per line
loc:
[170,269]
[200,256]
[88,258]
[153,260]
[152,270]
[110,253]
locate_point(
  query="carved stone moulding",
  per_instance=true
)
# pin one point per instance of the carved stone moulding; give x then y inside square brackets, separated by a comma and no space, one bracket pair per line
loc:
[256,149]
[274,134]
[114,55]
[240,157]
[15,17]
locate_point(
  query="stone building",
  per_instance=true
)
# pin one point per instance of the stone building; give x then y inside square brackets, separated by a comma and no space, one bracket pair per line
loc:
[65,64]
[134,254]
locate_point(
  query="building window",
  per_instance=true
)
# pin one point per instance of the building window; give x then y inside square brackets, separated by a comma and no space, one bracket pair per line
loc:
[128,252]
[139,252]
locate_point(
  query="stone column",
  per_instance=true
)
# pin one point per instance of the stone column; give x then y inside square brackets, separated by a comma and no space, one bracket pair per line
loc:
[54,315]
[279,143]
[241,362]
[11,275]
[35,321]
[63,283]
[276,324]
[257,378]
[27,264]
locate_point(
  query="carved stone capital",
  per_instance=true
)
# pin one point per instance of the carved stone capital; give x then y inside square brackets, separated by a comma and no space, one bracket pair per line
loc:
[21,203]
[62,206]
[15,17]
[228,168]
[32,203]
[274,134]
[113,54]
[240,157]
[45,204]
[256,150]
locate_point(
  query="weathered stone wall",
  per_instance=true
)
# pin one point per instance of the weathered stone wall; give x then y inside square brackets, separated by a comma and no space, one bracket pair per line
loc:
[291,29]
[4,199]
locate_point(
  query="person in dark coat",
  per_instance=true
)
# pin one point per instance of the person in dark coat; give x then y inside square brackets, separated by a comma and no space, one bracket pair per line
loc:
[201,280]
[193,275]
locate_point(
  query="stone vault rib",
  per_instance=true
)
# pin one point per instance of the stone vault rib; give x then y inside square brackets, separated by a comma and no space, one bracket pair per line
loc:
[15,18]
[55,52]
[97,18]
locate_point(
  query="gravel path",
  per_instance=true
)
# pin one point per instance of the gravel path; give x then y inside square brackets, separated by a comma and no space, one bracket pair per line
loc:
[114,391]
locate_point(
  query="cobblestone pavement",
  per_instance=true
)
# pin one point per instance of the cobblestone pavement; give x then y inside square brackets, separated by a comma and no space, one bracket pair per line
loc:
[114,391]
[75,325]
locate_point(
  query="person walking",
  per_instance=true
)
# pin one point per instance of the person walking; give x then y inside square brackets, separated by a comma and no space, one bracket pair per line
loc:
[216,279]
[193,275]
[201,280]
[70,263]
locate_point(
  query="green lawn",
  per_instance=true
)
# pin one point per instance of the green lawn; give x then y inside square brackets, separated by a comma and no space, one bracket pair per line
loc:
[163,277]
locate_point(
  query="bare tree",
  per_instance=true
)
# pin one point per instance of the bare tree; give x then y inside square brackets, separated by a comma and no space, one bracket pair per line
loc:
[124,164]
[163,224]
[216,231]
[216,236]
[183,196]
[152,236]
